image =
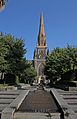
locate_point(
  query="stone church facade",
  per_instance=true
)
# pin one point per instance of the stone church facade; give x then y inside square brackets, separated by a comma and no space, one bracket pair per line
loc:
[40,51]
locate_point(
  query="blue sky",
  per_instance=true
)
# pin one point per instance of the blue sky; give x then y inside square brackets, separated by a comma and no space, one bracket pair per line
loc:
[21,18]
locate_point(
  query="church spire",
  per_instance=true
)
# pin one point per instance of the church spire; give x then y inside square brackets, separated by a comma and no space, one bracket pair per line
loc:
[41,35]
[40,51]
[41,29]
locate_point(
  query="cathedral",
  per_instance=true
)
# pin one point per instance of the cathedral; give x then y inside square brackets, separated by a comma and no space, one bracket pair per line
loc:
[40,52]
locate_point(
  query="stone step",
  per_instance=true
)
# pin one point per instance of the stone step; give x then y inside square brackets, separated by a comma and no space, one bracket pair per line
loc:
[5,101]
[10,92]
[69,97]
[8,96]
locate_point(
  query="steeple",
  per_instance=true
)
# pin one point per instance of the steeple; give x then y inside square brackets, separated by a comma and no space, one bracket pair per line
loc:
[41,29]
[40,51]
[41,35]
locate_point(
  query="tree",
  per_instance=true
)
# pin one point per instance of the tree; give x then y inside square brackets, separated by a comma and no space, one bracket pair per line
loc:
[59,61]
[3,53]
[29,74]
[12,60]
[11,55]
[15,56]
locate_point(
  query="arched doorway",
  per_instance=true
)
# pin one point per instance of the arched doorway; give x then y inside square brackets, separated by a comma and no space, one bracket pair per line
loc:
[40,72]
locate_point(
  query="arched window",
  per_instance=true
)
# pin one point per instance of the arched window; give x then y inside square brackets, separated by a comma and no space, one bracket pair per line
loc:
[41,69]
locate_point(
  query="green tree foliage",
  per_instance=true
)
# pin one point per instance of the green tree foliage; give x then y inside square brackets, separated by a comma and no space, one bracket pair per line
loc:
[29,74]
[12,60]
[12,52]
[59,61]
[3,53]
[15,56]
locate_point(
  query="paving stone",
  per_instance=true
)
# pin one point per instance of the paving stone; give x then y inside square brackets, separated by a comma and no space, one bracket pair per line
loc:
[7,113]
[36,116]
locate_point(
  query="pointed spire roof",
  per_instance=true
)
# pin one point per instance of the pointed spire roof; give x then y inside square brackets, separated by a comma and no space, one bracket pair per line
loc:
[41,35]
[41,29]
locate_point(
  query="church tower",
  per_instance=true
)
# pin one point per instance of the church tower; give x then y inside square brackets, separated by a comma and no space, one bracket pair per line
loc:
[40,51]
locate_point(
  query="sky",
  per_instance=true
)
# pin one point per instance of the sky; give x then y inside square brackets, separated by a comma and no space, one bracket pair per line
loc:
[21,18]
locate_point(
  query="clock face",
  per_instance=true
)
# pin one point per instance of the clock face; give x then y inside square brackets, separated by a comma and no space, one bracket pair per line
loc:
[41,54]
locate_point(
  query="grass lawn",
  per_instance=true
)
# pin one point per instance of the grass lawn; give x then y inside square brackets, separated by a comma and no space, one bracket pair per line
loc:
[3,85]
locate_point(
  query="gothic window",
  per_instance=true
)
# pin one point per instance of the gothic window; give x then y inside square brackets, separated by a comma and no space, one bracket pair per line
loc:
[41,54]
